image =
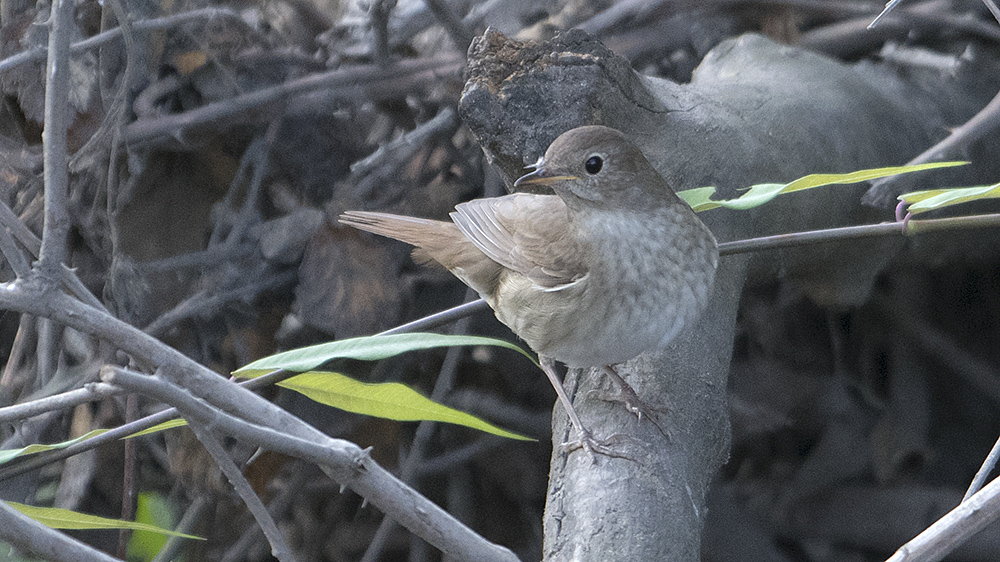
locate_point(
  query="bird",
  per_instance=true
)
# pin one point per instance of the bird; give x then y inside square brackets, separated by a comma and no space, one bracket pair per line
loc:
[612,264]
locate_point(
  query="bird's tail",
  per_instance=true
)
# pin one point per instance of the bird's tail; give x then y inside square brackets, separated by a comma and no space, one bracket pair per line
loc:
[431,239]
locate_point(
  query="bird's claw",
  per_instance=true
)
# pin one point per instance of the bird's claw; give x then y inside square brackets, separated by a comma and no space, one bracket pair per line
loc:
[627,395]
[593,446]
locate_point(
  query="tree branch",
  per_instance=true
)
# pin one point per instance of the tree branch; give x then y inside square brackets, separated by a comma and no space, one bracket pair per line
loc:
[89,393]
[342,460]
[55,155]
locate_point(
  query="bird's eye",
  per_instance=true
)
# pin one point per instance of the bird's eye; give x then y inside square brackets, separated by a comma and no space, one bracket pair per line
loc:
[593,164]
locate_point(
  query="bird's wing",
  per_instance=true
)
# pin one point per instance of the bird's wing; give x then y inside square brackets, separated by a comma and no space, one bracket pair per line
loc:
[525,233]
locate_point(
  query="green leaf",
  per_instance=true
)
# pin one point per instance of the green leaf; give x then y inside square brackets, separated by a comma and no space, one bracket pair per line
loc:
[58,518]
[10,454]
[928,200]
[369,348]
[392,401]
[169,424]
[152,509]
[700,199]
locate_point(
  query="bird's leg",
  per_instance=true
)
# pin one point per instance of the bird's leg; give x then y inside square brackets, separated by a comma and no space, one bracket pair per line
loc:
[587,441]
[627,395]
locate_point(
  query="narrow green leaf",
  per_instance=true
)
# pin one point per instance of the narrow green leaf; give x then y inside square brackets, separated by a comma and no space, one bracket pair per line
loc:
[369,348]
[58,518]
[10,454]
[928,200]
[170,424]
[757,195]
[392,401]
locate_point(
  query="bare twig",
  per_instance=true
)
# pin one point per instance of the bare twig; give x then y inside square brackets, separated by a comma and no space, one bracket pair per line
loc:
[888,8]
[453,24]
[27,238]
[204,304]
[992,6]
[379,13]
[116,33]
[366,83]
[186,524]
[985,122]
[279,548]
[55,155]
[343,461]
[439,319]
[954,528]
[89,393]
[371,172]
[408,468]
[280,504]
[442,318]
[129,494]
[855,232]
[15,257]
[110,436]
[984,471]
[23,234]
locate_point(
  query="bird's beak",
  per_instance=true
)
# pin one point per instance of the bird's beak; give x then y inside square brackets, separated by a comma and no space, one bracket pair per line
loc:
[540,176]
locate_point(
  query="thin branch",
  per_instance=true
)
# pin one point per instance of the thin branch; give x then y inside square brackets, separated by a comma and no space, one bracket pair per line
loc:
[992,6]
[27,238]
[379,12]
[279,548]
[450,315]
[89,393]
[368,83]
[374,171]
[888,8]
[453,24]
[203,303]
[442,318]
[15,257]
[438,319]
[41,459]
[237,551]
[28,535]
[186,525]
[421,438]
[110,436]
[39,53]
[55,156]
[129,494]
[986,121]
[914,227]
[24,235]
[343,461]
[947,533]
[984,471]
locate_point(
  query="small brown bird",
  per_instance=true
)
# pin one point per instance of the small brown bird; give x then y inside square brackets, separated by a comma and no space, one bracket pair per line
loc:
[612,265]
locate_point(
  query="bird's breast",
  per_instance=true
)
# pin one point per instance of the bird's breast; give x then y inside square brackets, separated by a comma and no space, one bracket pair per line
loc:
[647,280]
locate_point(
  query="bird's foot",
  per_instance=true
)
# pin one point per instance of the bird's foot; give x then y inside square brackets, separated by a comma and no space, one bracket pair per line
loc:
[593,446]
[628,396]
